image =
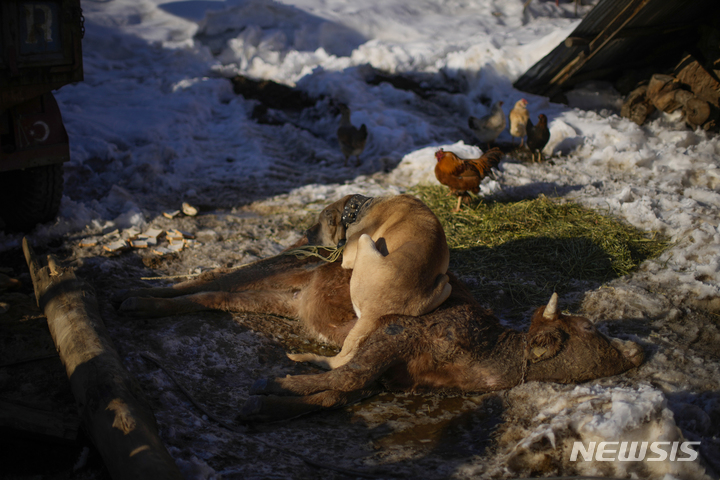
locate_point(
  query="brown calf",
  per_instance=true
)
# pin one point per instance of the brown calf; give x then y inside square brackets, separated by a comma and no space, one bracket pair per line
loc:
[458,348]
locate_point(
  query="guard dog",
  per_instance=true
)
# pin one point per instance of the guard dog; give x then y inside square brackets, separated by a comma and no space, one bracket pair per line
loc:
[398,254]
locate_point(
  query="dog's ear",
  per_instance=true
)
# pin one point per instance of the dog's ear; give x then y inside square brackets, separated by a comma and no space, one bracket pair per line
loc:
[330,217]
[335,228]
[334,213]
[329,230]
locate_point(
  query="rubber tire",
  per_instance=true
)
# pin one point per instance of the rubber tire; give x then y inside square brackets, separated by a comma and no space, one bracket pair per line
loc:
[30,196]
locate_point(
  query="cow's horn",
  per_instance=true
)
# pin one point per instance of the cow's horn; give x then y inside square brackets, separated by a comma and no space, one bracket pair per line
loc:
[551,306]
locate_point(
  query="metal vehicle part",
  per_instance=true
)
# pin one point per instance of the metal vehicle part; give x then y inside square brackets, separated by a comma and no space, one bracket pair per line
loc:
[40,51]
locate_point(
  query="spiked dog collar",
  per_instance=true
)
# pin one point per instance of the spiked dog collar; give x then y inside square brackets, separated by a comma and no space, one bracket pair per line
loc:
[352,209]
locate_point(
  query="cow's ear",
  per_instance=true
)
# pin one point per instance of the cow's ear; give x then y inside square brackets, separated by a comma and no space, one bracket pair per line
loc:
[545,345]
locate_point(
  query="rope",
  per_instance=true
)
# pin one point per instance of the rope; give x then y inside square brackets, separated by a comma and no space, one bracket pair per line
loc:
[307,251]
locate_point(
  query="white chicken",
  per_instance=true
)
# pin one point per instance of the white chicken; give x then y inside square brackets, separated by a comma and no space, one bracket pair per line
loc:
[488,128]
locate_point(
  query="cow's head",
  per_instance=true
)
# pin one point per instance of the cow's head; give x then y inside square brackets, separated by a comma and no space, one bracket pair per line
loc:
[568,349]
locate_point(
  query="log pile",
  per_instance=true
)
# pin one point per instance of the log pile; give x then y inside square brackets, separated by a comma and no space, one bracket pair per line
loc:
[692,87]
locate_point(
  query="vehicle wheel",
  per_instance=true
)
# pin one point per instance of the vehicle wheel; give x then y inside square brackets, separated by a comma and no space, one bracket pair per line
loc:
[30,196]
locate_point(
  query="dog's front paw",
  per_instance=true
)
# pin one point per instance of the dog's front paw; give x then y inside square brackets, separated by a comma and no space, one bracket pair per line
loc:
[307,357]
[323,362]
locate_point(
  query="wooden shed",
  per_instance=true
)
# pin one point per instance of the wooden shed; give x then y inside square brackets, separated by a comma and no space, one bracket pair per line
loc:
[627,42]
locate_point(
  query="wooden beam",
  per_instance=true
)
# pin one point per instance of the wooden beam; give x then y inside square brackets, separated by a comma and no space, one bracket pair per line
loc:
[629,33]
[598,43]
[109,400]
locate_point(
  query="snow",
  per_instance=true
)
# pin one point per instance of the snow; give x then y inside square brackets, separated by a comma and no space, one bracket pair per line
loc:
[156,123]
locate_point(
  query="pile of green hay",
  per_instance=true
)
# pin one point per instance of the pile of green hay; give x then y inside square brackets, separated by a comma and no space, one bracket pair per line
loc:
[515,254]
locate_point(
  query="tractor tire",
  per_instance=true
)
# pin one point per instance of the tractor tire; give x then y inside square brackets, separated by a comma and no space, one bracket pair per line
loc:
[30,196]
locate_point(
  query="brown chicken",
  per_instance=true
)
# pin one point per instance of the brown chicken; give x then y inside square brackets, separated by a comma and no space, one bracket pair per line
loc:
[537,137]
[352,140]
[519,118]
[464,175]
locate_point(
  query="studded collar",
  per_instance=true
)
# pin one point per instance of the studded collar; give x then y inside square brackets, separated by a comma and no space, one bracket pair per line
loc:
[352,209]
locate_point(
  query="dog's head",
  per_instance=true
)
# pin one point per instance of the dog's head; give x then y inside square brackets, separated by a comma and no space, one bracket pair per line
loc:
[329,230]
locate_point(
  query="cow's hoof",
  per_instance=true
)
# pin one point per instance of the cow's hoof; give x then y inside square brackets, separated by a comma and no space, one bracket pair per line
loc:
[130,305]
[119,297]
[259,386]
[630,350]
[252,407]
[142,307]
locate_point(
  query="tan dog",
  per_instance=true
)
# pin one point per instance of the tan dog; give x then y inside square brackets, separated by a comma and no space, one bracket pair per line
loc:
[397,250]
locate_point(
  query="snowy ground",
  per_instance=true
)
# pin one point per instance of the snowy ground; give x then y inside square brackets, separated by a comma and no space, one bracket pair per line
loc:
[156,123]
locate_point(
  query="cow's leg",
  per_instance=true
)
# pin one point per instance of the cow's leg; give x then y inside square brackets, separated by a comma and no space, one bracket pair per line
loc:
[270,273]
[208,281]
[271,408]
[382,349]
[362,328]
[280,303]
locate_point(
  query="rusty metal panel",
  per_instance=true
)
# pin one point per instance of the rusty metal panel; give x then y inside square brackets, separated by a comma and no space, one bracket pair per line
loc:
[39,123]
[38,136]
[40,47]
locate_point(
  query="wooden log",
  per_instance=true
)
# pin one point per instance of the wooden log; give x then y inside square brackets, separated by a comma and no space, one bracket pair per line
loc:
[109,400]
[637,107]
[668,102]
[697,112]
[702,82]
[659,86]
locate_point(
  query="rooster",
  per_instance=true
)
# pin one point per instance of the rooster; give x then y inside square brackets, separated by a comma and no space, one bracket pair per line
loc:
[519,117]
[488,128]
[463,176]
[538,136]
[352,140]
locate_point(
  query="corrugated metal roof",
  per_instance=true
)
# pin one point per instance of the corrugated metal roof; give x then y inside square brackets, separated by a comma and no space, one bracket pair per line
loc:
[618,35]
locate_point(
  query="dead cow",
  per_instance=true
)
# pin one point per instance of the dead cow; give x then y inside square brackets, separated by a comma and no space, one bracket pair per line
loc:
[458,348]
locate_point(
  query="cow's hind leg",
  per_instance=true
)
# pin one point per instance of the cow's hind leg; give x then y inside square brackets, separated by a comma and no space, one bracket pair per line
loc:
[207,281]
[259,275]
[382,349]
[347,378]
[272,302]
[271,408]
